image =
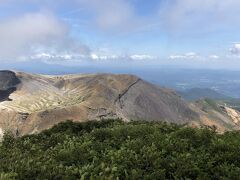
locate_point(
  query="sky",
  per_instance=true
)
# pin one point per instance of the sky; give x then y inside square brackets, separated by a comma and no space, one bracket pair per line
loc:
[184,33]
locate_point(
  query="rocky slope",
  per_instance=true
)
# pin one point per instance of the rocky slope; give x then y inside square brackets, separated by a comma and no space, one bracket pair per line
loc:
[40,101]
[219,115]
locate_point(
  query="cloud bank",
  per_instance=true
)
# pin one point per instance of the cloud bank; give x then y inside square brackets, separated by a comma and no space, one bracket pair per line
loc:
[23,36]
[33,34]
[19,35]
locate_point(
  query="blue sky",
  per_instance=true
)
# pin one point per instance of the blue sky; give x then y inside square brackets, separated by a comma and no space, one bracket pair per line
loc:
[199,33]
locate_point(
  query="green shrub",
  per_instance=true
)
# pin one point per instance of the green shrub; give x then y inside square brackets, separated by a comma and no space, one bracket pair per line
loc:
[112,149]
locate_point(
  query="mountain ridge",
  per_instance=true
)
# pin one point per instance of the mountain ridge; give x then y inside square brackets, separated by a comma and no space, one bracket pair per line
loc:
[41,101]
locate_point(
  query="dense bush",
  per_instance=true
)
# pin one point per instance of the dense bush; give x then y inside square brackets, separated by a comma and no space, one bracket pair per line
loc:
[117,150]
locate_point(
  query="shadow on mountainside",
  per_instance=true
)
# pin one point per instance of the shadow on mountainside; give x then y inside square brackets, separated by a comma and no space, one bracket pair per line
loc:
[4,95]
[8,83]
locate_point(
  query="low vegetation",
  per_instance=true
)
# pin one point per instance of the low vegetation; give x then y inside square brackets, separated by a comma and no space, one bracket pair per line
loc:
[117,150]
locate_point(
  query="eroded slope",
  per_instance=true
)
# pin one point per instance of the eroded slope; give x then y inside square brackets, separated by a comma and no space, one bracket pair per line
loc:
[41,101]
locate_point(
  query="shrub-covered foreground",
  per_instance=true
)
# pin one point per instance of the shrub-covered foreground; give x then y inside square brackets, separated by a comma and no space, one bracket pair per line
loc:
[117,150]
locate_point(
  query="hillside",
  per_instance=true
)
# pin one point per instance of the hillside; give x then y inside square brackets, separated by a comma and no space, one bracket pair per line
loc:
[199,93]
[41,101]
[117,150]
[218,111]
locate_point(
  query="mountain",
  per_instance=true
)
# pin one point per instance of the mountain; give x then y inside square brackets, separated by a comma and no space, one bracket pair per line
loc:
[218,112]
[41,101]
[199,93]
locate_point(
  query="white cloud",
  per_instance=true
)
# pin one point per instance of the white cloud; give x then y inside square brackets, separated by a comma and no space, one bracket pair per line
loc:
[214,57]
[191,55]
[42,56]
[103,57]
[94,56]
[47,56]
[61,56]
[194,56]
[32,33]
[235,50]
[186,56]
[122,57]
[142,57]
[18,35]
[176,57]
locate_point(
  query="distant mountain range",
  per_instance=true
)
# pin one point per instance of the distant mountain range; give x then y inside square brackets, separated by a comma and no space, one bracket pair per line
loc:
[38,102]
[198,93]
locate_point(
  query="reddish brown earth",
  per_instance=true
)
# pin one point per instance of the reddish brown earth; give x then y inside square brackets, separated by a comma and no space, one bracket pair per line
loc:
[41,101]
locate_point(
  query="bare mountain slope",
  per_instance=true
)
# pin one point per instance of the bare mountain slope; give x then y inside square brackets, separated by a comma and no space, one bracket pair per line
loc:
[41,101]
[220,115]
